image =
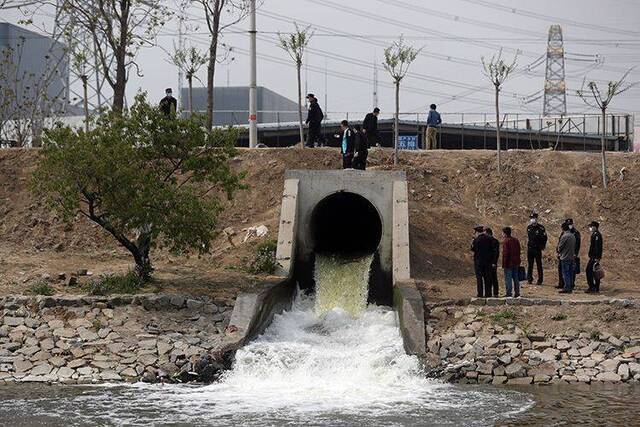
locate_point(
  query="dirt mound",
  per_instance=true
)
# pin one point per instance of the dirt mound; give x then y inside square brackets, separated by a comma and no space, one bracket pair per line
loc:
[450,191]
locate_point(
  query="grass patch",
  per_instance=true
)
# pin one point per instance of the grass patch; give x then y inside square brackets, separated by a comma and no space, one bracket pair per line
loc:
[559,317]
[264,259]
[128,283]
[595,335]
[41,288]
[504,316]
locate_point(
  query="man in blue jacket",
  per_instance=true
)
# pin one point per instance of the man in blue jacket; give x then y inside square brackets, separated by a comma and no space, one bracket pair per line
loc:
[433,122]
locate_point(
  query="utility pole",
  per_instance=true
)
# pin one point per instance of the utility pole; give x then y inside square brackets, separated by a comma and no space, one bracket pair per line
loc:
[375,82]
[253,90]
[326,90]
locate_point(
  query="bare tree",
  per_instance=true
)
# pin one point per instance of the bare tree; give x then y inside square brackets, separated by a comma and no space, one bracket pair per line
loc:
[189,60]
[119,29]
[295,45]
[214,11]
[594,97]
[498,71]
[397,59]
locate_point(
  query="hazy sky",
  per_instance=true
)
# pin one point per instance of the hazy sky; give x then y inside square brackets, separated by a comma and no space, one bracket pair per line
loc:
[350,35]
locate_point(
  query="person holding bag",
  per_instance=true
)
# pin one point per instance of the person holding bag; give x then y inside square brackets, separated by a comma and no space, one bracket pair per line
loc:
[594,271]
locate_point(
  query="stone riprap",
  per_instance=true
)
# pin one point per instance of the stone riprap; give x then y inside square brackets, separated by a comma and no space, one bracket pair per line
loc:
[473,349]
[103,339]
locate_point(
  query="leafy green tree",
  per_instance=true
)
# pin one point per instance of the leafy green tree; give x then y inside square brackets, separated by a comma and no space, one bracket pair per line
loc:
[148,179]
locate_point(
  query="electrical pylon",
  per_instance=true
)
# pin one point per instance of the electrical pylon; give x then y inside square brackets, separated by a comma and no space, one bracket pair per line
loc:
[555,87]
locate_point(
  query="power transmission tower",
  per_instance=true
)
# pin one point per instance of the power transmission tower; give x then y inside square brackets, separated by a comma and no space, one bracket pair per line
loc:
[555,88]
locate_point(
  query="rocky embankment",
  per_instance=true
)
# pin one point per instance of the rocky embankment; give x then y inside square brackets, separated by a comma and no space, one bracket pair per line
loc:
[481,344]
[104,339]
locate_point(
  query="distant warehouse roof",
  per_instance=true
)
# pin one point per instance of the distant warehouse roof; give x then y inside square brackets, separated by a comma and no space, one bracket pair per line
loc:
[231,105]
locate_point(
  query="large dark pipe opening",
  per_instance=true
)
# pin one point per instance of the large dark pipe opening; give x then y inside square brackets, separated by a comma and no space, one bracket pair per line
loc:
[346,224]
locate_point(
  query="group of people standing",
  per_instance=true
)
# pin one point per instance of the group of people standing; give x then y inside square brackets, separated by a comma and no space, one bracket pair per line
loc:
[354,140]
[486,250]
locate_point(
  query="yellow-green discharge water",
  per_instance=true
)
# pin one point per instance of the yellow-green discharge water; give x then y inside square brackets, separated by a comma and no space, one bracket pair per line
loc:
[342,283]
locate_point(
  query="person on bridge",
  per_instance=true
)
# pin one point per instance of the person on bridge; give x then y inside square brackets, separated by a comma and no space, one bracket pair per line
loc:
[433,122]
[495,253]
[314,121]
[511,262]
[360,150]
[595,255]
[566,250]
[370,127]
[168,104]
[347,137]
[482,248]
[536,243]
[576,234]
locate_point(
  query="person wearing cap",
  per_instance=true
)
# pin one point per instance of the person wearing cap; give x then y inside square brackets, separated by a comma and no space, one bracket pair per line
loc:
[566,251]
[595,255]
[482,248]
[495,257]
[576,233]
[314,121]
[168,104]
[536,243]
[370,127]
[511,262]
[433,122]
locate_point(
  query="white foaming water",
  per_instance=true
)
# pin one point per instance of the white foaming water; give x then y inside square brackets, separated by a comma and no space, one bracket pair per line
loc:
[342,283]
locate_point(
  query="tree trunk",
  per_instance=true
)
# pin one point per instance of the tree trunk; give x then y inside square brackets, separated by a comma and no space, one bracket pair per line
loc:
[498,127]
[396,124]
[299,66]
[141,256]
[211,68]
[190,78]
[85,102]
[603,140]
[120,84]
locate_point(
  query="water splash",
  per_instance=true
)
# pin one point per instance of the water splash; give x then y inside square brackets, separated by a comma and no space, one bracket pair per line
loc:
[342,283]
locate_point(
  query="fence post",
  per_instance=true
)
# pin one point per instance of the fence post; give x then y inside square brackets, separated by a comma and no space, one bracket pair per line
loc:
[462,130]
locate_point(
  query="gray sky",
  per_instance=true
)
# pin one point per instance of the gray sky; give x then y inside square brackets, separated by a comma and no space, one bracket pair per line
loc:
[454,35]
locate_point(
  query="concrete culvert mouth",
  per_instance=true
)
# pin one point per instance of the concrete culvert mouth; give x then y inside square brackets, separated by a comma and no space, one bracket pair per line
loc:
[345,224]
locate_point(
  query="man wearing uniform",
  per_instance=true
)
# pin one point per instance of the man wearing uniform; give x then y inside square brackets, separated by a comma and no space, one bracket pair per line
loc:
[595,255]
[482,259]
[314,120]
[536,242]
[370,127]
[495,256]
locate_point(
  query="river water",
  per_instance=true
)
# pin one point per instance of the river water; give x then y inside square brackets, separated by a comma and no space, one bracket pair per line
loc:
[320,365]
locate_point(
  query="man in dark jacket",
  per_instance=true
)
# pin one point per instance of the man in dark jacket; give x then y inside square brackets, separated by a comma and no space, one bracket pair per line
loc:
[576,234]
[370,127]
[168,104]
[347,140]
[566,251]
[536,242]
[495,253]
[314,120]
[511,262]
[595,255]
[482,248]
[360,150]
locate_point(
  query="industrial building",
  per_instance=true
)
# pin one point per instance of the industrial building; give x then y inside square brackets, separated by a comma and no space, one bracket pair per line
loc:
[33,68]
[231,105]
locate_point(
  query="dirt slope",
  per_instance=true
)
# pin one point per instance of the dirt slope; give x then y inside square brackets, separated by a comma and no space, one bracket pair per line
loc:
[450,191]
